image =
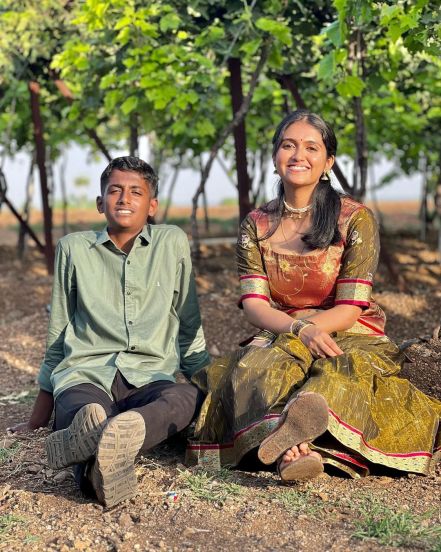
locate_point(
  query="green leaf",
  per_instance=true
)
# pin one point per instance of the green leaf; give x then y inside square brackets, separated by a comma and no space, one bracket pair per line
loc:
[205,128]
[169,21]
[111,99]
[434,113]
[327,66]
[129,105]
[251,46]
[350,86]
[82,63]
[395,30]
[342,7]
[388,13]
[107,81]
[275,58]
[275,28]
[333,32]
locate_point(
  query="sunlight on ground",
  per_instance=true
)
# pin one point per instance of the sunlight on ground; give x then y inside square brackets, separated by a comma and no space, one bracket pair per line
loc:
[402,304]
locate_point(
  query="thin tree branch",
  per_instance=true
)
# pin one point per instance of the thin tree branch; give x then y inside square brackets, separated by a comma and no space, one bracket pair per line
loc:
[237,119]
[67,94]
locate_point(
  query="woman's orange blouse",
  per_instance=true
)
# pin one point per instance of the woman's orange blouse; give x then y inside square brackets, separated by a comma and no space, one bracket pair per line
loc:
[302,284]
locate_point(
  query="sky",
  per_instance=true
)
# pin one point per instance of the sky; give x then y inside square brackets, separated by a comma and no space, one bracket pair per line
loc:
[79,163]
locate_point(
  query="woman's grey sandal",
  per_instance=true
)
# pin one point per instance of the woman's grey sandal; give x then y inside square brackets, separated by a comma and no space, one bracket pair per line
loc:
[303,419]
[305,467]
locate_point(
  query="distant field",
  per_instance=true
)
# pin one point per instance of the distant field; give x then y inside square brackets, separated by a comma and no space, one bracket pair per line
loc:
[223,219]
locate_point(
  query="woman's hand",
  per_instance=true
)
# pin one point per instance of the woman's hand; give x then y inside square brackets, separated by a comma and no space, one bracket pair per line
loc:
[319,342]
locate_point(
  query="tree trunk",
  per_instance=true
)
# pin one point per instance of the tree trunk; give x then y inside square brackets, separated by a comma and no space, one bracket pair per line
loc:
[357,51]
[64,200]
[133,138]
[259,194]
[22,242]
[423,207]
[437,218]
[205,206]
[238,117]
[171,189]
[5,200]
[362,152]
[240,142]
[34,89]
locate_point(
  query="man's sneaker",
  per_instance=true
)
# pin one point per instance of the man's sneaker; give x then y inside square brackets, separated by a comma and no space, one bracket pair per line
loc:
[79,441]
[113,472]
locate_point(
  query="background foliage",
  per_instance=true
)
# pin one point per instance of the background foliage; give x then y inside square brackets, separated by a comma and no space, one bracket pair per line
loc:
[160,68]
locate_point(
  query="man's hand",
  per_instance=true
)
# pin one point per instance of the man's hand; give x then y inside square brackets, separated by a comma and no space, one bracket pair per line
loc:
[22,427]
[319,342]
[41,414]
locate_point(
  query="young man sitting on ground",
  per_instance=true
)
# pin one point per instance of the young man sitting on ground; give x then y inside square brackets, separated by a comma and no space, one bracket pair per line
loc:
[124,319]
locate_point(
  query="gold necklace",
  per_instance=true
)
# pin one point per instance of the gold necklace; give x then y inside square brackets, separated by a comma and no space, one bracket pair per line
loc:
[296,213]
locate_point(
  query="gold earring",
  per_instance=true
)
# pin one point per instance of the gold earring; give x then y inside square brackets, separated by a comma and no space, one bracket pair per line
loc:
[325,175]
[275,171]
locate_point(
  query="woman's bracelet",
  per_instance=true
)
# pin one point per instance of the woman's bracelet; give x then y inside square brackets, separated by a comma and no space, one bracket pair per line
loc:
[298,325]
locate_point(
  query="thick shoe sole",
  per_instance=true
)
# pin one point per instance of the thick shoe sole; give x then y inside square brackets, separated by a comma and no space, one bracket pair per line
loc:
[113,474]
[305,418]
[79,441]
[302,469]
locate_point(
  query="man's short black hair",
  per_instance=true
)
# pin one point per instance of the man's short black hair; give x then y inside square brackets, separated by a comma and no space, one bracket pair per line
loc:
[133,164]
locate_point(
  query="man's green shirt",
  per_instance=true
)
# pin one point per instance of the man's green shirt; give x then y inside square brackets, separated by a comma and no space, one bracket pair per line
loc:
[137,313]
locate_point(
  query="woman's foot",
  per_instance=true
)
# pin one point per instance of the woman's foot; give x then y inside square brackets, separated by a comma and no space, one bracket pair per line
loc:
[300,463]
[303,419]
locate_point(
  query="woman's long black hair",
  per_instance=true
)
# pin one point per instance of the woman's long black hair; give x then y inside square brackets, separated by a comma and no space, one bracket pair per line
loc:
[325,200]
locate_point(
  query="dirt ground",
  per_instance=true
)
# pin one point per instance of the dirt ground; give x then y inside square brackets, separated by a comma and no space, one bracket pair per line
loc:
[188,509]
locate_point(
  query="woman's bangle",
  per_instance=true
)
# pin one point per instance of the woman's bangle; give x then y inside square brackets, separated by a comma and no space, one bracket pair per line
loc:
[298,325]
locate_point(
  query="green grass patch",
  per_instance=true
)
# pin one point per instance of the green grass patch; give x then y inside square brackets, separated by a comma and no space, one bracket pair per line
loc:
[298,502]
[215,487]
[10,452]
[31,539]
[8,521]
[396,528]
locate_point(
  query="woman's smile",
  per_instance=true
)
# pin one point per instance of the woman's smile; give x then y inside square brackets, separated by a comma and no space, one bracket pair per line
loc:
[302,157]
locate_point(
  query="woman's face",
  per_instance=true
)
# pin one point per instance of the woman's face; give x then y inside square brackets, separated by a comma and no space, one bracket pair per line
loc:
[302,158]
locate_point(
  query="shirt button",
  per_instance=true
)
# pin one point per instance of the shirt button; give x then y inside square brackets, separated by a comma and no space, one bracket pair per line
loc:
[128,262]
[129,293]
[132,348]
[130,322]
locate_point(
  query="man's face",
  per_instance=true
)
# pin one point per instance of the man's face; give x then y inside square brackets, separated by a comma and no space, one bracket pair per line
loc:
[127,202]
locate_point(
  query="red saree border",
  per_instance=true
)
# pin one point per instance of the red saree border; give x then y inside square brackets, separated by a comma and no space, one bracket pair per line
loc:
[250,276]
[371,327]
[392,454]
[348,435]
[245,429]
[353,281]
[351,302]
[236,435]
[254,296]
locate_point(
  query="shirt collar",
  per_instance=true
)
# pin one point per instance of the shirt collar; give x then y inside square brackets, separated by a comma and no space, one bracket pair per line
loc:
[144,236]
